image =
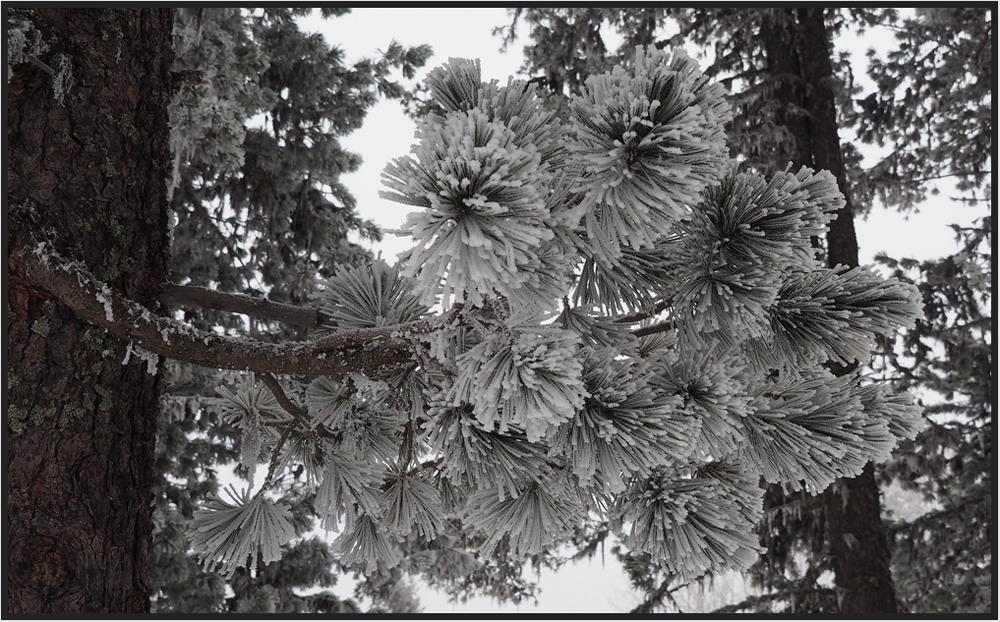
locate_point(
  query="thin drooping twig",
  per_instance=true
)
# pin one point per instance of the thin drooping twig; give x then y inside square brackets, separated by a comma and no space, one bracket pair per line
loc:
[273,464]
[300,416]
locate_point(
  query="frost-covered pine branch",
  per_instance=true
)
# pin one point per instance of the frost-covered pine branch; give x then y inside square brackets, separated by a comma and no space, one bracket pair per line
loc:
[615,323]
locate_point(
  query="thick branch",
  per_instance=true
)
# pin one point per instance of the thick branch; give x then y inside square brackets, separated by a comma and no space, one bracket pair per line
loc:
[336,355]
[186,295]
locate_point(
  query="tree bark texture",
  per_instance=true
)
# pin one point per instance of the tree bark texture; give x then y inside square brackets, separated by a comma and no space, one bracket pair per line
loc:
[799,52]
[87,172]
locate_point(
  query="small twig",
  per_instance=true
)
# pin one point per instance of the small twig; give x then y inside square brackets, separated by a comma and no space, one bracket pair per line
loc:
[423,466]
[753,601]
[272,466]
[318,452]
[300,417]
[408,428]
[502,317]
[537,80]
[713,473]
[660,307]
[37,63]
[930,517]
[279,394]
[664,591]
[810,504]
[655,328]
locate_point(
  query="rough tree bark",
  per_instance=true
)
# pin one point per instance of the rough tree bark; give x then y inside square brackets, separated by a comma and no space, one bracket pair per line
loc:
[86,171]
[858,550]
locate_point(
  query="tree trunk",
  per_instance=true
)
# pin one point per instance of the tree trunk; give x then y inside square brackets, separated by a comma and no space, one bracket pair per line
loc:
[799,53]
[87,163]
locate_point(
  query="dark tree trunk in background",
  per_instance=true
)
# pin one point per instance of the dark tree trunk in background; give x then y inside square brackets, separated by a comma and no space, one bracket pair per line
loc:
[88,173]
[857,545]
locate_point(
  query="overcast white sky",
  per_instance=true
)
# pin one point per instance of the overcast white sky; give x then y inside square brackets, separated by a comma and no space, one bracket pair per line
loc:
[467,33]
[387,133]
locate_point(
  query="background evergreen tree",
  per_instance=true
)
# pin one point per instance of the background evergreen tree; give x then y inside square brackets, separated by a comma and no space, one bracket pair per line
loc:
[933,109]
[789,88]
[258,210]
[782,98]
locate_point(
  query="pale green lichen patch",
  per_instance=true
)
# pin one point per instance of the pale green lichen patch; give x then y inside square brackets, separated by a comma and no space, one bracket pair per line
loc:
[106,397]
[72,412]
[16,419]
[19,419]
[41,326]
